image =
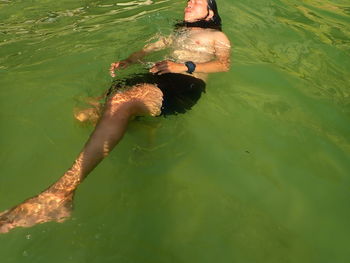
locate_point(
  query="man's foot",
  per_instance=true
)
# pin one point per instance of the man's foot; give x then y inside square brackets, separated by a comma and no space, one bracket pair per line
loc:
[43,208]
[90,115]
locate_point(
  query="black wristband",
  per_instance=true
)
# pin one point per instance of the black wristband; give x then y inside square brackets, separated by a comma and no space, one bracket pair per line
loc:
[191,67]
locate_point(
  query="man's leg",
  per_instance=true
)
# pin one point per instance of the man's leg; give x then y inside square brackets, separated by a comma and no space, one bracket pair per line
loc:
[54,204]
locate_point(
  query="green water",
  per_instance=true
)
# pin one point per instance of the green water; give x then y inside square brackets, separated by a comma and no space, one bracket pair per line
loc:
[257,172]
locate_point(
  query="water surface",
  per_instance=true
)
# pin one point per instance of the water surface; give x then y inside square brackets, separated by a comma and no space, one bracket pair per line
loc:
[257,171]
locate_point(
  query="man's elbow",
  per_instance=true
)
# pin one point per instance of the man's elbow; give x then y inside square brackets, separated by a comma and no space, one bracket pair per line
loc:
[225,66]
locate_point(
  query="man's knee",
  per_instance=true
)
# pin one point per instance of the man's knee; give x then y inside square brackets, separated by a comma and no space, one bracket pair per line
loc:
[142,99]
[151,98]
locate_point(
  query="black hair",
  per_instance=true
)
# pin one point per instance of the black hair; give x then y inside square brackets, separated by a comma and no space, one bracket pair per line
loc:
[213,23]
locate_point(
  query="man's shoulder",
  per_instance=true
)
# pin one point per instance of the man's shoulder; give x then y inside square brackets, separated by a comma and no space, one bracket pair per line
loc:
[212,33]
[220,35]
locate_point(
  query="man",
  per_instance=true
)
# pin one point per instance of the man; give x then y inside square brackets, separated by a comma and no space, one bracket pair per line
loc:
[172,86]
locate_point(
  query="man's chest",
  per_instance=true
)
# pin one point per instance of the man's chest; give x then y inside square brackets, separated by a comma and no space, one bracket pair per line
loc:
[195,42]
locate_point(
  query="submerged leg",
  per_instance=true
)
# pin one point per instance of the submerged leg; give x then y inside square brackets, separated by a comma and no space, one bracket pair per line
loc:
[55,203]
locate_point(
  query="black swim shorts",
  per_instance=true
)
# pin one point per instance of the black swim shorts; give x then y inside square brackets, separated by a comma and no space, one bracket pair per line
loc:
[180,92]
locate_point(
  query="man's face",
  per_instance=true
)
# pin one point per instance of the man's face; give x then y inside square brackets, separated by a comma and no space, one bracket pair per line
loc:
[197,10]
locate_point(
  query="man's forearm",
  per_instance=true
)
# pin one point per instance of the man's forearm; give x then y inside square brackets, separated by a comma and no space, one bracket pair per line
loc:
[213,66]
[149,48]
[168,66]
[136,56]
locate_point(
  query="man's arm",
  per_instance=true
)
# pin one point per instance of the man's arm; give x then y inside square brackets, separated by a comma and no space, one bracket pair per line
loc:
[221,63]
[162,43]
[222,48]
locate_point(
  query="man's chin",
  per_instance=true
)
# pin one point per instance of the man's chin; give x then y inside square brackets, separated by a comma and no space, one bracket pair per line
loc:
[189,19]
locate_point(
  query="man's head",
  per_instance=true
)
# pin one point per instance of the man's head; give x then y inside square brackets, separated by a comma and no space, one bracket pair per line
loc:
[202,13]
[197,10]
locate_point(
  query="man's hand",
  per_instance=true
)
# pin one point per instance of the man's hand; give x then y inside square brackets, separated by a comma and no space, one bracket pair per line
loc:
[118,65]
[168,66]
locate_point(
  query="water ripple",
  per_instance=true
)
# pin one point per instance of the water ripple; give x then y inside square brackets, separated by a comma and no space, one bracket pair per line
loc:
[307,39]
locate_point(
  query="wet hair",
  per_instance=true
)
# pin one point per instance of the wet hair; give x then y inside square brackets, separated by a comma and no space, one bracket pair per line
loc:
[213,23]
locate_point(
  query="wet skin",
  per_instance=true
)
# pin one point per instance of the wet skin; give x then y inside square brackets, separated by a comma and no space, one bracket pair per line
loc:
[208,48]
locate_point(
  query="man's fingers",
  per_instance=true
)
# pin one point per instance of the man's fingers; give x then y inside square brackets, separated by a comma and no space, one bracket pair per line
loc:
[159,71]
[163,71]
[160,63]
[154,69]
[113,67]
[111,71]
[159,67]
